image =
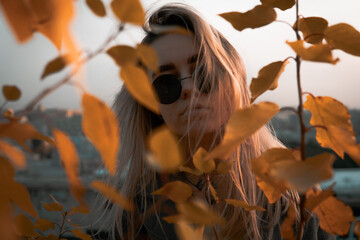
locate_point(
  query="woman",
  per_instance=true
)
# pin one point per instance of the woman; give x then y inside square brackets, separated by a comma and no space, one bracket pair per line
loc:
[200,83]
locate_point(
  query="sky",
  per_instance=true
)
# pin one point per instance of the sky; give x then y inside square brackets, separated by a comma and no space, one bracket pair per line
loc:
[22,65]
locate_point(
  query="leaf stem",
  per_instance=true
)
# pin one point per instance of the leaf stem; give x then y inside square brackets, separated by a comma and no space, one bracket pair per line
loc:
[208,198]
[315,126]
[62,225]
[3,105]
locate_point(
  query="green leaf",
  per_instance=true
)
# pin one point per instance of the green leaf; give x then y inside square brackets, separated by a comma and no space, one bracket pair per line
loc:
[97,7]
[257,17]
[281,4]
[316,53]
[267,78]
[345,37]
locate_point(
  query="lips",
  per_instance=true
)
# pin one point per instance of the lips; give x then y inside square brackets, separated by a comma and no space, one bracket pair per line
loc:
[197,108]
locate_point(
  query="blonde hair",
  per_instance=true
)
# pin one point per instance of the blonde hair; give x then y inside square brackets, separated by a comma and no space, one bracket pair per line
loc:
[220,66]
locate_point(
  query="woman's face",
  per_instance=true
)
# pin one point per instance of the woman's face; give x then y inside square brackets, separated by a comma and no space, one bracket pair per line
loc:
[177,55]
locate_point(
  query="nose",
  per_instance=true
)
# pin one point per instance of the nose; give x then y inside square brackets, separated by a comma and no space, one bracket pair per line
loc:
[188,88]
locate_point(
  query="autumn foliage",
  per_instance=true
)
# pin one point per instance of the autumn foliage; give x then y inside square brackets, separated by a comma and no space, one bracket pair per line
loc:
[276,170]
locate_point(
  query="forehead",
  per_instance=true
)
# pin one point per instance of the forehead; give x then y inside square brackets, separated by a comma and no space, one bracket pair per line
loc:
[175,48]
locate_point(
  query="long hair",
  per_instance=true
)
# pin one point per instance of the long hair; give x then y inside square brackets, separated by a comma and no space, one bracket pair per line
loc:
[220,67]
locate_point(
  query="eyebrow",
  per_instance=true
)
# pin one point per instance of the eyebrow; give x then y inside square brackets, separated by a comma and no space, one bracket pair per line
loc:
[171,66]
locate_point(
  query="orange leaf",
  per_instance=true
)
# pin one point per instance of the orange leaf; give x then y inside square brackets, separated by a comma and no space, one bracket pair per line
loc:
[53,66]
[214,193]
[287,229]
[326,111]
[13,153]
[112,194]
[187,232]
[272,191]
[83,236]
[313,29]
[357,229]
[316,53]
[313,199]
[257,17]
[148,56]
[6,169]
[44,224]
[196,212]
[138,84]
[190,170]
[166,155]
[128,11]
[344,37]
[53,207]
[101,128]
[97,7]
[20,196]
[177,191]
[206,166]
[267,78]
[241,125]
[70,161]
[80,209]
[243,204]
[24,226]
[11,93]
[123,54]
[281,4]
[335,217]
[18,16]
[21,132]
[224,167]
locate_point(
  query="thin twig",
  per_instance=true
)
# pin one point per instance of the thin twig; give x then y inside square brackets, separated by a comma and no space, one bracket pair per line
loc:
[315,126]
[62,226]
[281,21]
[208,198]
[2,106]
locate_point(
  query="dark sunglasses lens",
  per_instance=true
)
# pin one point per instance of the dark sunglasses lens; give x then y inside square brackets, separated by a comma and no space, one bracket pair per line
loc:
[168,88]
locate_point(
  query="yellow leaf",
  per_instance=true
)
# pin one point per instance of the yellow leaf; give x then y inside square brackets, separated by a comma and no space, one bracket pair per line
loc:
[19,18]
[53,18]
[313,29]
[345,139]
[53,207]
[241,125]
[21,132]
[167,154]
[316,53]
[24,226]
[313,199]
[257,17]
[326,111]
[97,7]
[190,170]
[70,161]
[206,166]
[100,126]
[128,11]
[335,217]
[173,219]
[177,191]
[138,84]
[44,224]
[80,209]
[224,167]
[267,78]
[6,169]
[281,4]
[11,93]
[123,54]
[214,193]
[21,197]
[13,153]
[112,194]
[287,226]
[196,212]
[186,232]
[243,204]
[345,37]
[53,66]
[148,56]
[83,236]
[272,191]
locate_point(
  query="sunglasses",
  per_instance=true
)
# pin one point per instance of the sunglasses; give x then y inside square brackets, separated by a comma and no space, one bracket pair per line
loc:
[168,87]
